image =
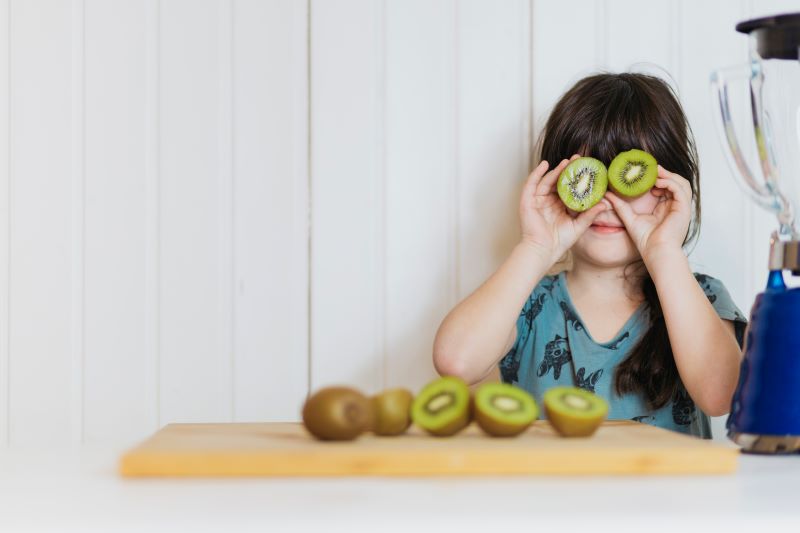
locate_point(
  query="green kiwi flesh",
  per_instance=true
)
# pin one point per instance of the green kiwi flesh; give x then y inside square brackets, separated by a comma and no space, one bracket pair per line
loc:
[337,413]
[391,410]
[503,410]
[574,412]
[632,173]
[442,407]
[582,183]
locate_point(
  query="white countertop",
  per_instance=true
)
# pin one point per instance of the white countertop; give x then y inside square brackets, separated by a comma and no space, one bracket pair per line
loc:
[81,491]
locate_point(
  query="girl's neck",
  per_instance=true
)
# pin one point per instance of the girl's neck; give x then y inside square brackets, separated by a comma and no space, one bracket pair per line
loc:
[607,284]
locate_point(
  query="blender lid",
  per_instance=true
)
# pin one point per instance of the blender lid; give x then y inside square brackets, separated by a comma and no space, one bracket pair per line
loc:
[777,37]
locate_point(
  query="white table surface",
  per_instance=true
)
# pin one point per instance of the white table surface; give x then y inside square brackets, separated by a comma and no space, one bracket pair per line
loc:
[79,490]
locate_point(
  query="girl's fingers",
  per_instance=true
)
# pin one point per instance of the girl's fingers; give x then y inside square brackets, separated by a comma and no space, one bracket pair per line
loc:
[661,210]
[677,178]
[529,189]
[679,193]
[535,176]
[548,182]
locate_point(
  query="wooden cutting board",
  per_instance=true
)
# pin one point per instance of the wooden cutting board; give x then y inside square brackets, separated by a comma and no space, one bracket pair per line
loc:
[286,449]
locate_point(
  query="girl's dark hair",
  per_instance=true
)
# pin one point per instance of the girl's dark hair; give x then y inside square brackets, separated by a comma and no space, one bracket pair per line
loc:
[603,115]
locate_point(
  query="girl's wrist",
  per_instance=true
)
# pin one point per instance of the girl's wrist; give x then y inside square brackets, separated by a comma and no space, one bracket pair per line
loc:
[540,254]
[664,259]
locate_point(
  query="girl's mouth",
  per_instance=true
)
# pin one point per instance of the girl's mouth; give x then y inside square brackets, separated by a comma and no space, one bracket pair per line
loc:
[602,228]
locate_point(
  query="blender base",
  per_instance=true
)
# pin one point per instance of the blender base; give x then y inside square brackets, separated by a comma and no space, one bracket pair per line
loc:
[767,444]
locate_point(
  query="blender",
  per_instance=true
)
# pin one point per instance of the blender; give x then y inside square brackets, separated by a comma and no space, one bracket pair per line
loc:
[765,409]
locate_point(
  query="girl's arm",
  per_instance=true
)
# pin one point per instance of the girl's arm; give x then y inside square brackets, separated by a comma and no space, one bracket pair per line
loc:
[704,346]
[482,328]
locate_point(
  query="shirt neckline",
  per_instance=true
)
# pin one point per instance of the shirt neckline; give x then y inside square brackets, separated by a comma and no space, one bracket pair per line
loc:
[625,328]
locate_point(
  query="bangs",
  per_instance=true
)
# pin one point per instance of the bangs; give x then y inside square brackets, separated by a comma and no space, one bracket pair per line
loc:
[607,114]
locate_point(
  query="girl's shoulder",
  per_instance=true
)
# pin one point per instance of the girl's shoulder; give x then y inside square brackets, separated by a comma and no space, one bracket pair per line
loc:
[716,292]
[723,303]
[546,290]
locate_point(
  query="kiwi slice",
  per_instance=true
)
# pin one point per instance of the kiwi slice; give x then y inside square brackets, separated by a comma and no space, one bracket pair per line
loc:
[337,413]
[583,183]
[391,411]
[442,407]
[503,410]
[632,173]
[574,412]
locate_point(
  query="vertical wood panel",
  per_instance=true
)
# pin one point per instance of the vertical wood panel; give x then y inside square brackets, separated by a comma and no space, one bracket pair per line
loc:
[152,222]
[638,31]
[40,266]
[225,196]
[271,195]
[346,324]
[554,73]
[195,375]
[78,230]
[5,214]
[115,373]
[492,121]
[419,160]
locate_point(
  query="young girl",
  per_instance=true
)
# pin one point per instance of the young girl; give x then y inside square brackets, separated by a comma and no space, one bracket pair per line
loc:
[629,321]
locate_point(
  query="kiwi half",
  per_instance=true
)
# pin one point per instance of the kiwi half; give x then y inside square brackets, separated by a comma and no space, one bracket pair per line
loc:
[337,413]
[442,407]
[574,412]
[391,411]
[503,410]
[633,173]
[582,183]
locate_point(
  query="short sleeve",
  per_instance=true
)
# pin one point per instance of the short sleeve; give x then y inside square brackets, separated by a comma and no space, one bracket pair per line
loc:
[510,363]
[723,304]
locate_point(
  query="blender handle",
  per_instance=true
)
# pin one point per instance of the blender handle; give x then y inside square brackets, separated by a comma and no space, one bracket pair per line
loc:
[760,193]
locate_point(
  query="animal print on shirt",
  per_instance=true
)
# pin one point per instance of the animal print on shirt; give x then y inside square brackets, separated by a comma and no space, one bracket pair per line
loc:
[534,309]
[615,346]
[569,316]
[683,409]
[509,367]
[556,355]
[588,382]
[702,279]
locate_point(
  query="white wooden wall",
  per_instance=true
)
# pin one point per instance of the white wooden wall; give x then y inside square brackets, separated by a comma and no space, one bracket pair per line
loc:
[210,206]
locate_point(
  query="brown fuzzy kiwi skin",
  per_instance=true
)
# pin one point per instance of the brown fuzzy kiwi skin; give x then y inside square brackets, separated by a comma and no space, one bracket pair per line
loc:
[337,413]
[572,427]
[391,412]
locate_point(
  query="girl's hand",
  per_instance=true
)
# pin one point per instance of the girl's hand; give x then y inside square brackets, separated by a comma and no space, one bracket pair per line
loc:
[545,222]
[665,228]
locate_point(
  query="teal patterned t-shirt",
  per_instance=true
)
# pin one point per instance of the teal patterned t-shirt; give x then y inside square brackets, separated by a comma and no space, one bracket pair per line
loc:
[553,348]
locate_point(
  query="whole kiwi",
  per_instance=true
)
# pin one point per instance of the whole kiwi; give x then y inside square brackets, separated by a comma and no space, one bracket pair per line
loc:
[391,411]
[337,413]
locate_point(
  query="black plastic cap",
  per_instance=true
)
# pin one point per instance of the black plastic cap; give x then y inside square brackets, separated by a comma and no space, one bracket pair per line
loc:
[777,37]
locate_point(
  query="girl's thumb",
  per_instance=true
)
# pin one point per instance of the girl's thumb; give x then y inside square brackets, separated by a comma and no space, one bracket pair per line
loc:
[585,219]
[621,207]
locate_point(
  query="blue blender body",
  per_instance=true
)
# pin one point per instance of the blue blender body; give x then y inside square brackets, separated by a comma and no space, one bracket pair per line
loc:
[767,401]
[765,409]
